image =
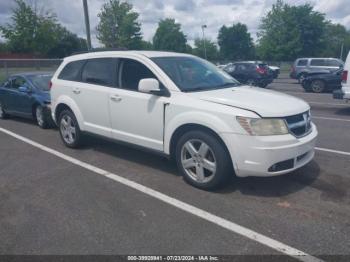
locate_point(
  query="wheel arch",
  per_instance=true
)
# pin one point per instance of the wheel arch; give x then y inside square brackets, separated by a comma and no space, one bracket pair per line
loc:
[68,103]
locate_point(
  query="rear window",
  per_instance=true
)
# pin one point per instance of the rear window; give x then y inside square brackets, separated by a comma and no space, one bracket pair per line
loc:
[41,81]
[99,71]
[333,62]
[318,62]
[302,62]
[71,71]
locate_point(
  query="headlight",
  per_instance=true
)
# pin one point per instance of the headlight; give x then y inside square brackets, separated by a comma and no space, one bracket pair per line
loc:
[263,127]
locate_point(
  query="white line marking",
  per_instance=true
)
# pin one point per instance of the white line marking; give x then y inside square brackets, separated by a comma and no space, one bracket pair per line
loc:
[331,118]
[333,151]
[219,221]
[327,104]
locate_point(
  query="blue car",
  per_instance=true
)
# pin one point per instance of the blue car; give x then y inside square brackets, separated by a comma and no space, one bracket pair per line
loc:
[27,95]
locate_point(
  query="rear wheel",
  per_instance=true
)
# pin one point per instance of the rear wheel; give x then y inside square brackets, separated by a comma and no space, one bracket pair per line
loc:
[317,86]
[69,129]
[3,114]
[203,160]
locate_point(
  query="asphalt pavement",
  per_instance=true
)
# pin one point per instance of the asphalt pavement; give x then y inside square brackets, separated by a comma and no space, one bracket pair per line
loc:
[49,205]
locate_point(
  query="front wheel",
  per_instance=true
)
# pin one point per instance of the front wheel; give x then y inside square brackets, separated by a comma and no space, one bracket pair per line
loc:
[69,129]
[203,160]
[3,114]
[42,117]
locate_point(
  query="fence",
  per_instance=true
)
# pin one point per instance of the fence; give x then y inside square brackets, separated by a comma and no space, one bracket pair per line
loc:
[13,66]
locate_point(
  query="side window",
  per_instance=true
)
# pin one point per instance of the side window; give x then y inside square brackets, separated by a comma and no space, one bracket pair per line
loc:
[318,62]
[8,83]
[302,62]
[132,72]
[71,71]
[99,71]
[18,82]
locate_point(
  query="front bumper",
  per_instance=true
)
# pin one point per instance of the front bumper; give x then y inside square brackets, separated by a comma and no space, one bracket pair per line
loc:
[270,155]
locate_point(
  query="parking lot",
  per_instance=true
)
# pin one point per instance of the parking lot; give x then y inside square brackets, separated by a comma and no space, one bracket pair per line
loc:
[108,199]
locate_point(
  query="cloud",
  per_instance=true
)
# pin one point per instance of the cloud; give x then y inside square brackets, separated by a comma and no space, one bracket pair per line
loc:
[190,13]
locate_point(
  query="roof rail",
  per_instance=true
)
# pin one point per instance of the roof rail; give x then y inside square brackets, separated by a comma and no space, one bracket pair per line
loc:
[100,50]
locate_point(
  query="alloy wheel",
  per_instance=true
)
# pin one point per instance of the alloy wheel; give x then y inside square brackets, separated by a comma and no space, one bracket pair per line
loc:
[68,129]
[317,86]
[198,161]
[40,116]
[2,114]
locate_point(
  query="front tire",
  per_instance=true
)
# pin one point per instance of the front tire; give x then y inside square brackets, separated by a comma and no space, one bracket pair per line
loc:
[69,129]
[42,117]
[3,114]
[203,160]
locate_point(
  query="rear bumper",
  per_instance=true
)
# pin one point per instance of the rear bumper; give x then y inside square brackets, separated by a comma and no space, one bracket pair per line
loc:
[270,155]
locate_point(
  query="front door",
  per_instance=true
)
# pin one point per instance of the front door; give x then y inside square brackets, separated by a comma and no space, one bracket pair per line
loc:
[136,117]
[20,102]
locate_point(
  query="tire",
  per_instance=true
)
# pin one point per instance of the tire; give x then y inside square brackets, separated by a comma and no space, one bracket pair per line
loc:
[42,117]
[69,129]
[301,77]
[3,114]
[317,86]
[203,160]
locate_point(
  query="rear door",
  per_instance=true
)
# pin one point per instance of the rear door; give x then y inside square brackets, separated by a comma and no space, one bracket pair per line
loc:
[91,94]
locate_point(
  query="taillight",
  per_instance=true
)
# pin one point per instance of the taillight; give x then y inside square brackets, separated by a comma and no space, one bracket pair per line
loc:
[344,76]
[50,85]
[260,70]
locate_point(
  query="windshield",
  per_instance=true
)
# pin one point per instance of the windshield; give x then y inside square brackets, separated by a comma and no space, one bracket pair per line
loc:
[41,81]
[194,74]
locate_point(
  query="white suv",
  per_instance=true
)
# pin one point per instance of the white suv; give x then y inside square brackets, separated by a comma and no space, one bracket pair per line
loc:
[183,107]
[344,93]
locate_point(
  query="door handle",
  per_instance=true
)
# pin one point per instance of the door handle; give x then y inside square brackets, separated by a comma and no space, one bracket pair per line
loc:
[116,98]
[76,91]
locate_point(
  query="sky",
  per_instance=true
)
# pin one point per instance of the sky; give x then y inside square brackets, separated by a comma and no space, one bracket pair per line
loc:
[190,13]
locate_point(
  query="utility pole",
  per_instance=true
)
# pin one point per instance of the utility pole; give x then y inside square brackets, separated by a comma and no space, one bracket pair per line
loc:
[341,51]
[87,24]
[205,48]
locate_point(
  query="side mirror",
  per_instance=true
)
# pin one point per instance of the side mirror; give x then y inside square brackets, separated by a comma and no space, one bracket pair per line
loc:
[24,89]
[149,85]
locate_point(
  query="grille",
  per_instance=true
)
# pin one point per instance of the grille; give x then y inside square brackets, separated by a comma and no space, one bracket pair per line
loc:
[299,125]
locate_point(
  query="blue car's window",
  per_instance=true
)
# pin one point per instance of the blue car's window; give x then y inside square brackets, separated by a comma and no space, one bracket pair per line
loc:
[18,82]
[41,81]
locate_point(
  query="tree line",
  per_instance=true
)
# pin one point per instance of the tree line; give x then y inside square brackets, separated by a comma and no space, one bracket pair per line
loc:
[285,33]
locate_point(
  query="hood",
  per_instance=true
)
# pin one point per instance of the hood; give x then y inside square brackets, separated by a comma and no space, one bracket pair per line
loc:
[265,103]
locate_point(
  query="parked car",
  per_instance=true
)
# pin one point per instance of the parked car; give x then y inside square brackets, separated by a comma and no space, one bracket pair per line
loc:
[250,72]
[275,71]
[303,67]
[27,95]
[344,92]
[183,107]
[319,83]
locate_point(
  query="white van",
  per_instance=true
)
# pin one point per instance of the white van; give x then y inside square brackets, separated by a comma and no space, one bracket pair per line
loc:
[344,93]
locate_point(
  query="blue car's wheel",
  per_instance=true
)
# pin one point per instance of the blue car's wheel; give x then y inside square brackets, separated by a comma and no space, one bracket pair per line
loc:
[3,114]
[42,117]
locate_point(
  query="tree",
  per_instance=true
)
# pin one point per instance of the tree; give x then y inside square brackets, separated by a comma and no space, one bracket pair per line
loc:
[169,37]
[118,26]
[41,34]
[235,42]
[288,32]
[210,47]
[335,37]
